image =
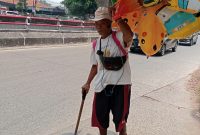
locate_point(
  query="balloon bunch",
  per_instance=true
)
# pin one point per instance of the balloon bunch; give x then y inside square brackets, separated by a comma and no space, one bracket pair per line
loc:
[155,20]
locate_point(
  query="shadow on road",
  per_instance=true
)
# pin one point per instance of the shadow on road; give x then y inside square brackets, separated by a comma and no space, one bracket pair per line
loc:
[79,133]
[167,52]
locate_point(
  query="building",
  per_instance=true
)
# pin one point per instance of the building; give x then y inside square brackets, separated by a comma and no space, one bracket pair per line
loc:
[34,6]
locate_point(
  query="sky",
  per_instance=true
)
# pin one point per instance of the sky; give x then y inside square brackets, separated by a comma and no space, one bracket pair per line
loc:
[54,2]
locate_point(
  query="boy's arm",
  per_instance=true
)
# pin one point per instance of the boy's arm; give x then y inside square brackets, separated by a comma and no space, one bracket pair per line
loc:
[93,72]
[126,30]
[124,27]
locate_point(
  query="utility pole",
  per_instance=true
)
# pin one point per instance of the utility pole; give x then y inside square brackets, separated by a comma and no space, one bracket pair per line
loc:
[33,8]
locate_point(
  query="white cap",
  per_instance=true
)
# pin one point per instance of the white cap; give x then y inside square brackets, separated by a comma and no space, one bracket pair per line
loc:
[102,13]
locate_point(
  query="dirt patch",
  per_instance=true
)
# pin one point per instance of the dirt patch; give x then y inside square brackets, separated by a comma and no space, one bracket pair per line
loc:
[194,82]
[193,85]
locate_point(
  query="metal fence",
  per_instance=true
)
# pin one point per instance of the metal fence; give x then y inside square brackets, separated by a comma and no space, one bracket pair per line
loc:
[44,24]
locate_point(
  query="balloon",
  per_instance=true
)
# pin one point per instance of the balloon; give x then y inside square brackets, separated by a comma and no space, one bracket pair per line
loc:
[149,3]
[187,30]
[174,22]
[154,20]
[151,33]
[192,6]
[127,6]
[132,20]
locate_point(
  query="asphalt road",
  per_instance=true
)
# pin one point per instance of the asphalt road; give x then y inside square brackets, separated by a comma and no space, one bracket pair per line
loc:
[40,92]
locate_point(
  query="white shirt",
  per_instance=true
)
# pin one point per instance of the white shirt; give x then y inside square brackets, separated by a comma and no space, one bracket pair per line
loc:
[103,76]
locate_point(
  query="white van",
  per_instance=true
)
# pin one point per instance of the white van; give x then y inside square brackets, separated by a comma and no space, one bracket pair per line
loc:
[11,13]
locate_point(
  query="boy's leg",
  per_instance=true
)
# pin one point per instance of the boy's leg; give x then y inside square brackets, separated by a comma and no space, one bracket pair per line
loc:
[100,112]
[102,131]
[123,131]
[120,107]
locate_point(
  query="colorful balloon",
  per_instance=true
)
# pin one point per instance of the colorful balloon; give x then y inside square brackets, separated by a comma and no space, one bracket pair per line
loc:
[153,20]
[174,21]
[192,6]
[151,33]
[149,3]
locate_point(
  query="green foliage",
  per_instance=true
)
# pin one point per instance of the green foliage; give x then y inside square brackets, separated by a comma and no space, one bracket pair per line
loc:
[81,8]
[114,1]
[21,5]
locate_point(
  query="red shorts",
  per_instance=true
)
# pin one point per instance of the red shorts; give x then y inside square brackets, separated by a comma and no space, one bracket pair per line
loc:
[114,98]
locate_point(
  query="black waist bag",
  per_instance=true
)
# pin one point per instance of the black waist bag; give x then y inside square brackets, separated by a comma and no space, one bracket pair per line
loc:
[113,63]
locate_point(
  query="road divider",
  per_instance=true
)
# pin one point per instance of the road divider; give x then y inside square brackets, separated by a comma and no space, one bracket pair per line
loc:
[24,38]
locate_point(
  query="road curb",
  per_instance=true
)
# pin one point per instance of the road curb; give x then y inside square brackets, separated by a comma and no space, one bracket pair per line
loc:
[14,39]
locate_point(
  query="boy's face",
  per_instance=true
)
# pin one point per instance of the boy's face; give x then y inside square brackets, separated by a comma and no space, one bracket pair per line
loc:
[103,26]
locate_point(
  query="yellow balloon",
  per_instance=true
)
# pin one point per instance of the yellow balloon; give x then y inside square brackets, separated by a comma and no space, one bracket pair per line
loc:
[187,30]
[191,6]
[153,20]
[151,33]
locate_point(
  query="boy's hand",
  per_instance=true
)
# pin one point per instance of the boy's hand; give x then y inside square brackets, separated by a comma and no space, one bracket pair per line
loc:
[85,88]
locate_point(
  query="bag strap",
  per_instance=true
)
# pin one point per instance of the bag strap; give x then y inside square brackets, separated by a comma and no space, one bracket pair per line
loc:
[94,43]
[118,43]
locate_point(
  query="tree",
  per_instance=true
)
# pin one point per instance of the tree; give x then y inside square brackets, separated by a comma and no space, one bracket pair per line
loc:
[21,5]
[80,8]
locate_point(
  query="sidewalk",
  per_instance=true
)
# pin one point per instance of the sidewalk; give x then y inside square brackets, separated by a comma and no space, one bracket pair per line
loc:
[170,110]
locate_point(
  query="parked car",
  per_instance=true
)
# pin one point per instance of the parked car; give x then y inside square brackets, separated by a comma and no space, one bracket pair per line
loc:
[11,13]
[191,40]
[135,45]
[167,44]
